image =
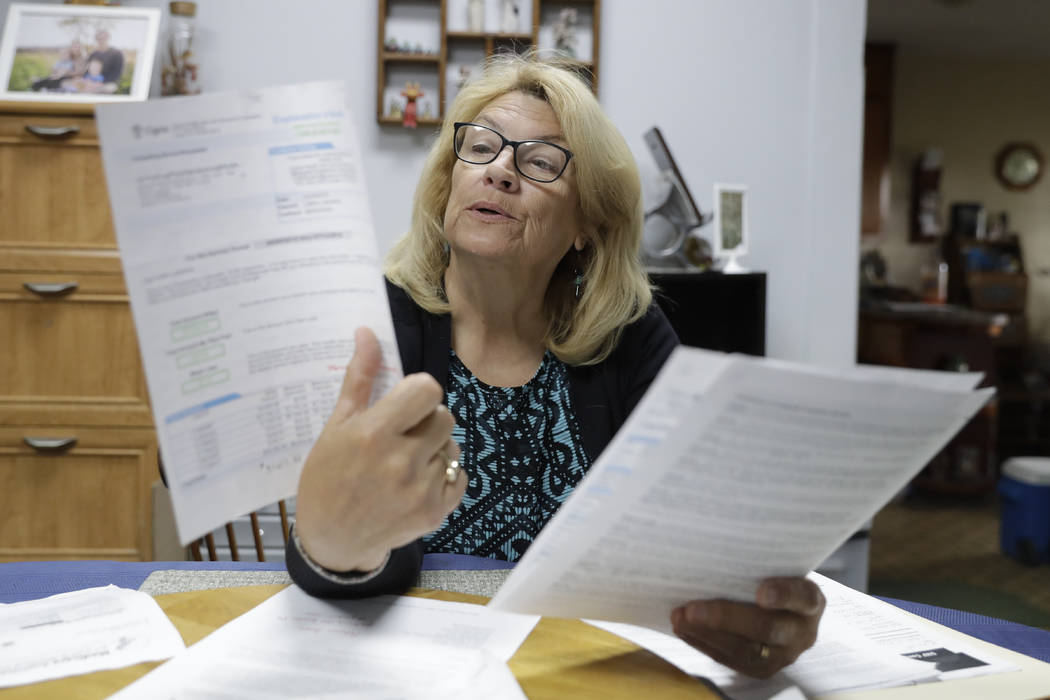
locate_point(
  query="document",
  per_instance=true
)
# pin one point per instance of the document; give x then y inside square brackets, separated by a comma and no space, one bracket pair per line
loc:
[731,469]
[894,630]
[89,630]
[862,644]
[293,645]
[250,258]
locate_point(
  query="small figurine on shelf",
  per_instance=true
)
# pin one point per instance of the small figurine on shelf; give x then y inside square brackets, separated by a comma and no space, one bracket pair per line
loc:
[999,226]
[391,45]
[428,112]
[565,32]
[179,69]
[411,93]
[510,23]
[418,48]
[464,76]
[476,15]
[395,110]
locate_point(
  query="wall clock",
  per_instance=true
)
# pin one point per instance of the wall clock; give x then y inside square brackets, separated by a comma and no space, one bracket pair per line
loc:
[1019,166]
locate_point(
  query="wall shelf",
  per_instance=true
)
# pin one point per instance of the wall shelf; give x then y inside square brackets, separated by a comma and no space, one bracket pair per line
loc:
[487,35]
[422,121]
[410,57]
[440,47]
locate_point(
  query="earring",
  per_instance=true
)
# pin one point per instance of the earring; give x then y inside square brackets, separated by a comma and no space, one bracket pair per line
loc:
[577,280]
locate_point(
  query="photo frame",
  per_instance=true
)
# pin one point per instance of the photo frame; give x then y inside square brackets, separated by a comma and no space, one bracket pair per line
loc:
[731,236]
[77,53]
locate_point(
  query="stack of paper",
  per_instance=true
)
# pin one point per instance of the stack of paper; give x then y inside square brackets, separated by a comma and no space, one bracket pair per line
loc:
[293,645]
[248,250]
[733,469]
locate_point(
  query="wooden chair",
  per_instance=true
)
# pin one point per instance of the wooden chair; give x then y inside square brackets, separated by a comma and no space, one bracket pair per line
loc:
[209,541]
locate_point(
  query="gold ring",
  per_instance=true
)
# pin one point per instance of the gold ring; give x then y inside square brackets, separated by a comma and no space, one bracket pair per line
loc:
[763,651]
[451,468]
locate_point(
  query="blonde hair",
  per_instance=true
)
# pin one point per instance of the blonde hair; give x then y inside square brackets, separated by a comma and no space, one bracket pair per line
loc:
[615,290]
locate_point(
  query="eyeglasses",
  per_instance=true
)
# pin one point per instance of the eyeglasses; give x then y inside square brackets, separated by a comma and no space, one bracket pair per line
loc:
[537,160]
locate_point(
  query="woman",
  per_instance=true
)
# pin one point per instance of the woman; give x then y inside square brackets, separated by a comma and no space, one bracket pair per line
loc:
[518,297]
[71,63]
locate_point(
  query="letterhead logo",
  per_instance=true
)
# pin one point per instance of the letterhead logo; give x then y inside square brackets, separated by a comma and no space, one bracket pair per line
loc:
[139,131]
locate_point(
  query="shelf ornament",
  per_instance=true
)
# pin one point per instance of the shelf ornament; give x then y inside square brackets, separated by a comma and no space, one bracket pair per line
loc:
[476,15]
[411,93]
[509,23]
[565,32]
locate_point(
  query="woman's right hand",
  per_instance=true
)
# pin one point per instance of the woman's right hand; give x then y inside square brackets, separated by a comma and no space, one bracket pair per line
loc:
[375,478]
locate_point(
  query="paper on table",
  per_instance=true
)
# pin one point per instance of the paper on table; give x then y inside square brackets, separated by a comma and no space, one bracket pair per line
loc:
[863,643]
[389,646]
[895,631]
[80,632]
[730,470]
[249,254]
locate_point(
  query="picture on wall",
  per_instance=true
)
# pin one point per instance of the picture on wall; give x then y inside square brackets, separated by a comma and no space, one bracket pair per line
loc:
[77,53]
[731,228]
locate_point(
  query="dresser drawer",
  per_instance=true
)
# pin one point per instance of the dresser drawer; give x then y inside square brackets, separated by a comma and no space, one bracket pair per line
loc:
[69,286]
[63,261]
[89,500]
[71,130]
[70,359]
[52,187]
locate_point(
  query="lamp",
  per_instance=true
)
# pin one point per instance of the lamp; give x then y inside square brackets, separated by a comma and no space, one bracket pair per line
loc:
[670,238]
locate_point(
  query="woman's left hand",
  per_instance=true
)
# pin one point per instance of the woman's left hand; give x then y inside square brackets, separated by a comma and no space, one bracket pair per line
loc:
[757,638]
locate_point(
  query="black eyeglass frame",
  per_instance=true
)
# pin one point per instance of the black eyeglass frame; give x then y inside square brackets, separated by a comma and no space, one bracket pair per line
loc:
[514,145]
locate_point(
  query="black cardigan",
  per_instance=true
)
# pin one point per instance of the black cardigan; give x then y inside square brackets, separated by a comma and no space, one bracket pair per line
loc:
[603,395]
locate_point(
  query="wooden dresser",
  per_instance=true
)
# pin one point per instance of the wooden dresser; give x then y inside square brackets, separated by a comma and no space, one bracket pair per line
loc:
[77,448]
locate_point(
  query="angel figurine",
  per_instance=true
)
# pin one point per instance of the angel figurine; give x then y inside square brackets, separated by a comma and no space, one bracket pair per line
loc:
[411,93]
[464,76]
[565,32]
[509,22]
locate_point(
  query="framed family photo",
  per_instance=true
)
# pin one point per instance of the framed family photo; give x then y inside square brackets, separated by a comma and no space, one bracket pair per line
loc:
[77,53]
[731,227]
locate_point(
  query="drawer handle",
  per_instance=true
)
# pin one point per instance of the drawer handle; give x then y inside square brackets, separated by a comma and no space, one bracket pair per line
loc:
[50,444]
[52,132]
[51,289]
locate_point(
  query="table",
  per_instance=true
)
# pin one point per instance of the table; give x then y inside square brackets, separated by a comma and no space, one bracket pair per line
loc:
[30,580]
[562,658]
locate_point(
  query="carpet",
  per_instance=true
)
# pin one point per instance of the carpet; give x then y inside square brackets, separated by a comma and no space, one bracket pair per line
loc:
[946,552]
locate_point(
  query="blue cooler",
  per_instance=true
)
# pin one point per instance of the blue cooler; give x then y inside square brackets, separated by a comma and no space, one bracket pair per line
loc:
[1025,509]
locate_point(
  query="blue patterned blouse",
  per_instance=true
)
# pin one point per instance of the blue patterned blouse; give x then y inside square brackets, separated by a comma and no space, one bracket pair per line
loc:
[522,451]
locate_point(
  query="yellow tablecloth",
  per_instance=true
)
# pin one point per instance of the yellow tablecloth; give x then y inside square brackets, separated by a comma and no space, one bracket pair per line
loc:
[559,659]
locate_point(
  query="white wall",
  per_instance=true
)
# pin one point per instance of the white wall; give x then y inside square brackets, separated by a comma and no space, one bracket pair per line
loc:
[749,91]
[768,94]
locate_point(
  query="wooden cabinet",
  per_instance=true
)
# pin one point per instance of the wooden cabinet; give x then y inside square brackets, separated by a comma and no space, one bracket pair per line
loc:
[878,113]
[428,41]
[714,310]
[948,339]
[77,447]
[70,492]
